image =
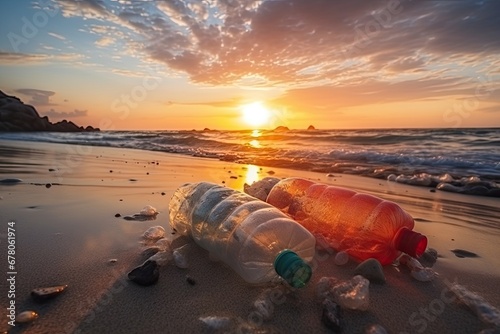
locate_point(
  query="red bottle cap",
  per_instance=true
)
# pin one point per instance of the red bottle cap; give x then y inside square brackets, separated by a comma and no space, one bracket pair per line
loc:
[411,242]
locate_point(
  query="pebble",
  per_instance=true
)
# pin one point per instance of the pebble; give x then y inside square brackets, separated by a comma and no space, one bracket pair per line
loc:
[190,280]
[43,294]
[271,172]
[233,177]
[341,258]
[52,170]
[430,256]
[332,316]
[372,270]
[48,185]
[463,253]
[112,261]
[10,181]
[118,215]
[216,323]
[146,274]
[26,316]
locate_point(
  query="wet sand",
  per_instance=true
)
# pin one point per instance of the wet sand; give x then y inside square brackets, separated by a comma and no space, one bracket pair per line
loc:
[67,233]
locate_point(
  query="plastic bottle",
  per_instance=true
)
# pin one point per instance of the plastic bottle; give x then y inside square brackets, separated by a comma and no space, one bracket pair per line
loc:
[254,238]
[362,225]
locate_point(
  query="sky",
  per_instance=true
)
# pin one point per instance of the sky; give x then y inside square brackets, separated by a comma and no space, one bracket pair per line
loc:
[194,64]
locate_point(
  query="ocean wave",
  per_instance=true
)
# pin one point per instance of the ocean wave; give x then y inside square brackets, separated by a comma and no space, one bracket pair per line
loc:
[460,160]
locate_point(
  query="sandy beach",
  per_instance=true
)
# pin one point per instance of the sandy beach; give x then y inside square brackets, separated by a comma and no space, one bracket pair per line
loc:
[68,233]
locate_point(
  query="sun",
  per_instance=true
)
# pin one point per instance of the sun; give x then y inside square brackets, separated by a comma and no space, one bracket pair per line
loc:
[255,114]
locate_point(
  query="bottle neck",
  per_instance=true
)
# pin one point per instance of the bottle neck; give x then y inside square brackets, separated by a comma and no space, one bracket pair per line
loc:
[292,268]
[410,242]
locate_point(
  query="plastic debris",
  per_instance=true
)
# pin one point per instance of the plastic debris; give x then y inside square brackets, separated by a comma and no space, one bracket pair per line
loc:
[215,323]
[375,329]
[418,272]
[324,287]
[154,232]
[147,213]
[161,258]
[180,257]
[485,311]
[353,294]
[341,258]
[163,245]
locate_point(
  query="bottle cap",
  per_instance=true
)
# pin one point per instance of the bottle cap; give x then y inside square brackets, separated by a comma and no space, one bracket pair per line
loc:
[292,268]
[411,242]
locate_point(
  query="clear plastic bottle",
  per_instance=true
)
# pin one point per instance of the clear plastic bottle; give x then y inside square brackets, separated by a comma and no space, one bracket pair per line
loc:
[254,238]
[362,225]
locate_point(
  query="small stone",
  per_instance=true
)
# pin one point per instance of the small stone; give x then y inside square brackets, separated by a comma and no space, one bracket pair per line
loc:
[118,215]
[375,329]
[332,316]
[233,177]
[111,261]
[146,274]
[271,172]
[430,256]
[372,270]
[43,294]
[48,185]
[52,170]
[330,175]
[111,171]
[148,252]
[163,194]
[463,253]
[432,190]
[341,258]
[132,180]
[190,280]
[26,316]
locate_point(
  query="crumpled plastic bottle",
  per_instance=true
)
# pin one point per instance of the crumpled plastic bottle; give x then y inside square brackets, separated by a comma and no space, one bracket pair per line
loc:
[363,225]
[254,238]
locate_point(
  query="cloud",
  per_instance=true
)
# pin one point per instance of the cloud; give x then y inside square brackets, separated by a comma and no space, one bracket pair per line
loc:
[62,38]
[65,114]
[37,97]
[13,58]
[231,103]
[378,44]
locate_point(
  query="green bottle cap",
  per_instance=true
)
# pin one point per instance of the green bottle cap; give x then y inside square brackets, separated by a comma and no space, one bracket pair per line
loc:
[292,268]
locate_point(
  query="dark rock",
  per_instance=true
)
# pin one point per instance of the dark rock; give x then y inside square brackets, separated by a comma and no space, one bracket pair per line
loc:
[43,294]
[430,256]
[48,185]
[118,215]
[190,280]
[371,269]
[463,253]
[146,274]
[10,181]
[311,127]
[17,116]
[332,316]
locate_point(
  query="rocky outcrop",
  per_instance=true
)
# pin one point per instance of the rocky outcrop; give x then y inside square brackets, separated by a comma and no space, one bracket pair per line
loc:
[311,127]
[16,116]
[281,128]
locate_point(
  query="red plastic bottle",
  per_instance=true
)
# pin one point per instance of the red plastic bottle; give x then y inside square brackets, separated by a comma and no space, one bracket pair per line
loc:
[363,225]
